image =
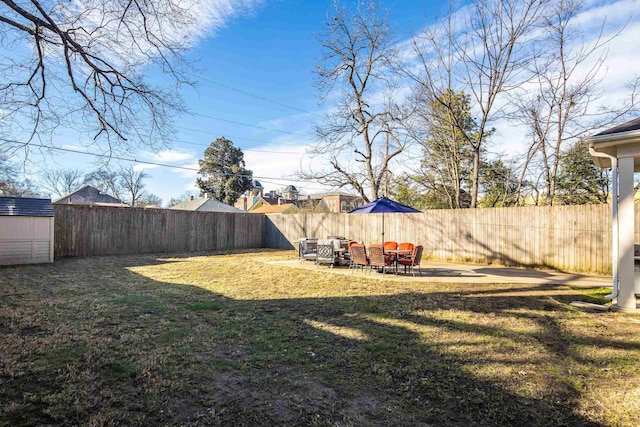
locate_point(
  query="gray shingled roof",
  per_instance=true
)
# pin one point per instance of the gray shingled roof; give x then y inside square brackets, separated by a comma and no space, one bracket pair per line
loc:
[205,205]
[23,206]
[625,127]
[87,195]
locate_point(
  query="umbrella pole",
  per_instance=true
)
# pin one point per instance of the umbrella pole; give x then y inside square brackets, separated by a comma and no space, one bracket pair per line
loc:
[383,233]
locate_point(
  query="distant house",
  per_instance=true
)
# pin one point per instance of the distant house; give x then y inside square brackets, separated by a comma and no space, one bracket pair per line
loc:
[263,201]
[323,202]
[332,202]
[290,192]
[250,197]
[205,204]
[26,230]
[286,208]
[89,195]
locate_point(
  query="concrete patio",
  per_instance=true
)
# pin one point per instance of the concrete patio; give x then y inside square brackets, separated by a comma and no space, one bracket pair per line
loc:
[467,273]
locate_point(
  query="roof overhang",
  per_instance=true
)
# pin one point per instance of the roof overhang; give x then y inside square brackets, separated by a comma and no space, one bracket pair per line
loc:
[615,145]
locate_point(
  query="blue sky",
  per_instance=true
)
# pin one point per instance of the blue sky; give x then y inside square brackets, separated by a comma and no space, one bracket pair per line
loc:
[255,87]
[269,53]
[256,69]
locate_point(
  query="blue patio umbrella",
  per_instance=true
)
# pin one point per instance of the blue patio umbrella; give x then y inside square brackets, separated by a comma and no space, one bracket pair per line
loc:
[384,205]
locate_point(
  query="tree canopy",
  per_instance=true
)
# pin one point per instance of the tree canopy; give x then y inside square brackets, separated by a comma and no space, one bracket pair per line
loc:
[579,180]
[223,173]
[10,184]
[361,135]
[81,65]
[448,152]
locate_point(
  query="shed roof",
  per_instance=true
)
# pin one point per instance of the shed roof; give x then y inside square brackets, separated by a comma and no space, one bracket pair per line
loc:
[24,206]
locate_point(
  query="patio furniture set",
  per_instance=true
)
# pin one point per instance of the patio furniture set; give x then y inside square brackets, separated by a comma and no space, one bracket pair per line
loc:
[338,251]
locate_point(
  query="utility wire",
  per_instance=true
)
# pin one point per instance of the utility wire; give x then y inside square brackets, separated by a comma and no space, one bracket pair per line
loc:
[252,95]
[243,149]
[243,124]
[265,178]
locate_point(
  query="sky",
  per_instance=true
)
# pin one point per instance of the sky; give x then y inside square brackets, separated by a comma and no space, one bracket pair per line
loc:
[255,86]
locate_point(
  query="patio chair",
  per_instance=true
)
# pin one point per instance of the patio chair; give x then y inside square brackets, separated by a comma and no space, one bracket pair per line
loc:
[307,249]
[346,255]
[358,254]
[391,257]
[413,261]
[377,258]
[326,253]
[405,246]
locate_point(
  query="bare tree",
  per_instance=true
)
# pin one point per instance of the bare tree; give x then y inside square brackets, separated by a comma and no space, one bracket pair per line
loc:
[148,199]
[61,181]
[562,104]
[131,182]
[106,181]
[480,50]
[187,195]
[81,65]
[360,136]
[10,185]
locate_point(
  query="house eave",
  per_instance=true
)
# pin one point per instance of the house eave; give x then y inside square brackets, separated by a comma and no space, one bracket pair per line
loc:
[618,145]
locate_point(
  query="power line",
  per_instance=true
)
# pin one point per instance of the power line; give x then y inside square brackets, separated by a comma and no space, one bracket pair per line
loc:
[263,178]
[243,149]
[243,124]
[256,96]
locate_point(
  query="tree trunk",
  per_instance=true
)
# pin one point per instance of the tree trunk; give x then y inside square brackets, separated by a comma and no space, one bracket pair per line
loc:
[475,177]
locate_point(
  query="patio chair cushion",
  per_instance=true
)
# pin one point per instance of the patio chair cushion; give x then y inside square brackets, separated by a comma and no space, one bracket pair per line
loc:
[308,249]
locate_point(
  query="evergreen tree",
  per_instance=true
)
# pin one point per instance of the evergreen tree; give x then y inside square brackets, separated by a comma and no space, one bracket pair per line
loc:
[448,152]
[580,181]
[223,173]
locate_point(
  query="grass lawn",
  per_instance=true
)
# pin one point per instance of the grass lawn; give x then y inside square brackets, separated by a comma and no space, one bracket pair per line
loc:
[228,340]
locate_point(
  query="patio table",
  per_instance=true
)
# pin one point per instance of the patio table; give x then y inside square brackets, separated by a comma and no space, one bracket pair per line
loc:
[397,252]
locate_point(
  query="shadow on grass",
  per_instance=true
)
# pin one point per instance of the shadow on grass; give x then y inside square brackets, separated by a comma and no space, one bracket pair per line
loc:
[91,342]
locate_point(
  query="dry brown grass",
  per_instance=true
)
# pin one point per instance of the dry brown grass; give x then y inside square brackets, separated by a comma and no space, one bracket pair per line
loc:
[226,339]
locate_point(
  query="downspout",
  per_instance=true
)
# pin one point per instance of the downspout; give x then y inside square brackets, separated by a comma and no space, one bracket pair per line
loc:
[614,218]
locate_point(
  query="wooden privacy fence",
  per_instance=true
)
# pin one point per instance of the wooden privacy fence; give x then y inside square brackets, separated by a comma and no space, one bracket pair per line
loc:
[571,238]
[99,230]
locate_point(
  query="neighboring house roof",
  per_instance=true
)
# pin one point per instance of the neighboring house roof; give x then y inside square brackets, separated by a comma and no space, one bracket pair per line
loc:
[204,204]
[268,200]
[285,208]
[260,201]
[321,206]
[24,206]
[88,195]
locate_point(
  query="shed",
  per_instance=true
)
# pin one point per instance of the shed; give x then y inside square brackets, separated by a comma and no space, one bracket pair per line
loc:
[26,230]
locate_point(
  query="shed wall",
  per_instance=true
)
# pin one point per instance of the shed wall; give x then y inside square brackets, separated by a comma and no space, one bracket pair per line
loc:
[26,240]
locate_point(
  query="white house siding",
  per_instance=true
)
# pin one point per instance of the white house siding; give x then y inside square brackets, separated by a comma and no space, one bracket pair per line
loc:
[26,240]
